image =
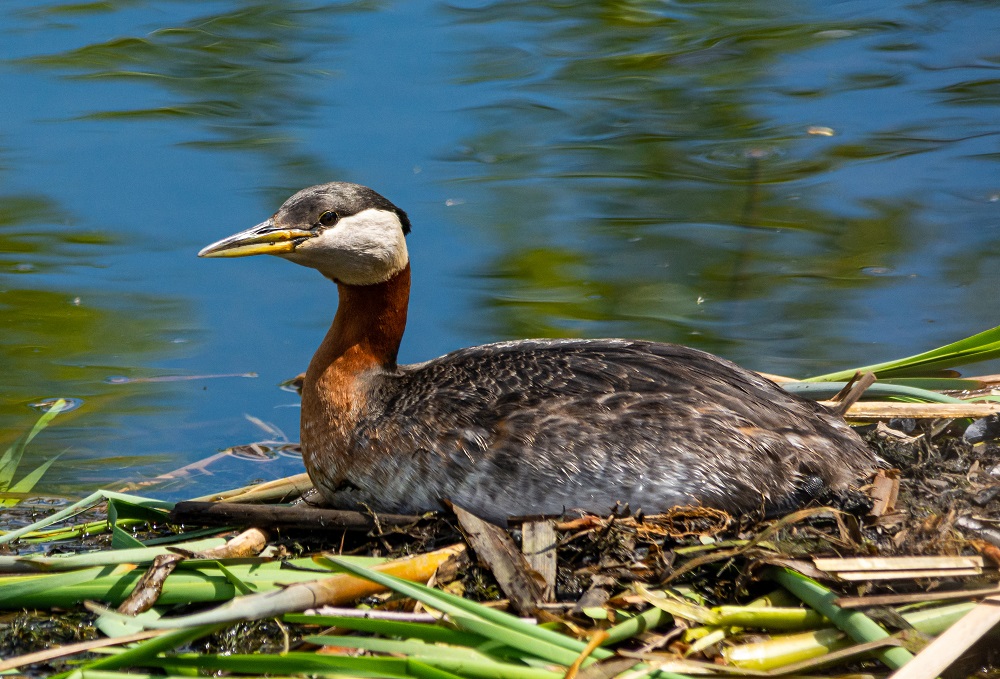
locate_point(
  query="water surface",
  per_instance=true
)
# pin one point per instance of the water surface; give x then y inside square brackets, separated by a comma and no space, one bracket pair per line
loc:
[799,186]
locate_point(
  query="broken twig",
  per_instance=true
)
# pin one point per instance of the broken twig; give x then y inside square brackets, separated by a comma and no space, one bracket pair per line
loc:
[275,516]
[496,550]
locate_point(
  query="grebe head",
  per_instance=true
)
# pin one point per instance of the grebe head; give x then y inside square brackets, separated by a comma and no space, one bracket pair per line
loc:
[347,232]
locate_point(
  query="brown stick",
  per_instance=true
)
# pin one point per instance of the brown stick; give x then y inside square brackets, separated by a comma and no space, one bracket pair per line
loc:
[885,410]
[146,592]
[496,551]
[248,543]
[853,394]
[73,649]
[919,597]
[840,395]
[273,516]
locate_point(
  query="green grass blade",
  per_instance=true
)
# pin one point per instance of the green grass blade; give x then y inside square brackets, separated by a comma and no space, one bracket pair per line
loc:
[108,674]
[456,605]
[148,650]
[469,616]
[784,649]
[637,624]
[679,608]
[411,648]
[824,390]
[64,562]
[770,618]
[119,626]
[120,539]
[174,538]
[424,671]
[84,504]
[242,587]
[290,663]
[526,643]
[12,457]
[365,666]
[80,530]
[980,347]
[121,509]
[937,619]
[14,590]
[857,625]
[936,383]
[192,581]
[28,482]
[391,628]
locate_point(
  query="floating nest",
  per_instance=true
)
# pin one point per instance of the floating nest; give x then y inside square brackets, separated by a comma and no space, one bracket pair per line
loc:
[922,535]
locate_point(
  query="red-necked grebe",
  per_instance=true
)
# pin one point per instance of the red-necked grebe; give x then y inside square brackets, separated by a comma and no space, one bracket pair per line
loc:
[526,427]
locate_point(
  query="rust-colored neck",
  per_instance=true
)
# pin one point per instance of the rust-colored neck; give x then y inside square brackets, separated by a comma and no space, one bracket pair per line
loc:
[368,327]
[364,337]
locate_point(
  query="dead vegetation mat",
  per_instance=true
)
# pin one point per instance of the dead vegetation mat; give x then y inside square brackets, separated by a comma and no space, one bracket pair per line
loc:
[940,498]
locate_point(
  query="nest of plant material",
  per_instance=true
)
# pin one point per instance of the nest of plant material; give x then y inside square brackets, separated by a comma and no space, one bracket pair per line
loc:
[901,572]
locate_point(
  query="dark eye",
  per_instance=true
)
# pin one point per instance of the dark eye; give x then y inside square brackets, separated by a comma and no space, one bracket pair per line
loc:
[328,218]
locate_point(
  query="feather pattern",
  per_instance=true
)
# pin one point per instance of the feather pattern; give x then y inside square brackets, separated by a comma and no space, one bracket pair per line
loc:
[545,426]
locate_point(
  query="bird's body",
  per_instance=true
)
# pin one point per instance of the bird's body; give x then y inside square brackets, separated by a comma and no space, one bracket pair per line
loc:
[531,426]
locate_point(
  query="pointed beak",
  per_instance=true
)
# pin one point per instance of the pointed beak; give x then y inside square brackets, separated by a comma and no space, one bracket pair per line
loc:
[263,239]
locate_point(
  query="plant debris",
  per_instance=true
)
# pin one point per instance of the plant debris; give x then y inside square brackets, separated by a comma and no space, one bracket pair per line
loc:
[900,574]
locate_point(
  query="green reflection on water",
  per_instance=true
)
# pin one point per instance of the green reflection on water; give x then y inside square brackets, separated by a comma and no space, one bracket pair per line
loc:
[233,80]
[66,341]
[639,183]
[243,75]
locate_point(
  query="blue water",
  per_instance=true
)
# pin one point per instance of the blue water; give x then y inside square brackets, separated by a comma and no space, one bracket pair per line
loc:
[799,186]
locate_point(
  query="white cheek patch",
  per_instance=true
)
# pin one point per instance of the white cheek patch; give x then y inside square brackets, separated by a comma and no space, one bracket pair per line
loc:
[363,249]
